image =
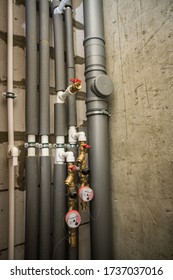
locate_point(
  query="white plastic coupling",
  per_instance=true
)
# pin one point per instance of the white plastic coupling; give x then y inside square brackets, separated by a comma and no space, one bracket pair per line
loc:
[69,156]
[60,9]
[60,140]
[31,145]
[44,145]
[13,153]
[71,132]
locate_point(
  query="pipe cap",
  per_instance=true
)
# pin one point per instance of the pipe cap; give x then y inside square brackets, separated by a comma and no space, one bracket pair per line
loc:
[103,85]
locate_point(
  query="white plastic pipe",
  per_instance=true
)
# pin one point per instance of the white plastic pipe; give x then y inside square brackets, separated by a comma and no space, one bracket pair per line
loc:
[64,94]
[60,9]
[31,150]
[10,130]
[45,141]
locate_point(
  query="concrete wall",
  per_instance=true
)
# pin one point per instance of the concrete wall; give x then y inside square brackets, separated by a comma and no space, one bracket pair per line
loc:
[139,40]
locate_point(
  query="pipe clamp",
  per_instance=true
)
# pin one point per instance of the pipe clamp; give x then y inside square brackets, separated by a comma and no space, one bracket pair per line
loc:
[9,95]
[98,112]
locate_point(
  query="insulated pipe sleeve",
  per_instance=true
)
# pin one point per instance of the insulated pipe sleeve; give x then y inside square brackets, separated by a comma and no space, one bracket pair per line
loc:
[31,68]
[45,195]
[72,119]
[44,68]
[59,52]
[60,119]
[31,228]
[59,211]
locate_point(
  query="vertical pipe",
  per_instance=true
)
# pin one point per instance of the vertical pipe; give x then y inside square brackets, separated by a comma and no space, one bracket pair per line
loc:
[59,52]
[31,108]
[31,228]
[60,130]
[59,206]
[44,68]
[99,86]
[45,160]
[72,119]
[31,68]
[45,196]
[10,130]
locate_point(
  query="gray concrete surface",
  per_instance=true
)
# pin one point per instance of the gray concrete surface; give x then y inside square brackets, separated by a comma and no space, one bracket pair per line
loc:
[139,40]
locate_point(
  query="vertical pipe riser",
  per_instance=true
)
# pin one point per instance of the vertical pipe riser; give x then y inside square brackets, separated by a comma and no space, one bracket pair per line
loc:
[59,211]
[45,196]
[31,228]
[97,115]
[31,68]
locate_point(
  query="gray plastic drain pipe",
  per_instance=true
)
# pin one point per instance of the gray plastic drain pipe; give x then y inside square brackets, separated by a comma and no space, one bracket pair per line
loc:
[45,159]
[98,86]
[31,225]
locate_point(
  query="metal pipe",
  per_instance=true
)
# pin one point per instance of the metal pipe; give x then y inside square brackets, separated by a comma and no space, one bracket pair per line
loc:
[11,225]
[99,86]
[31,225]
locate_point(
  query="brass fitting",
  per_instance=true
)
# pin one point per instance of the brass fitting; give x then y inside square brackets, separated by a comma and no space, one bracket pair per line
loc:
[82,152]
[70,179]
[73,237]
[75,87]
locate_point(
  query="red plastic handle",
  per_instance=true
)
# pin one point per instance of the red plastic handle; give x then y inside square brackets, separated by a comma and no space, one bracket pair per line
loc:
[72,168]
[86,146]
[75,80]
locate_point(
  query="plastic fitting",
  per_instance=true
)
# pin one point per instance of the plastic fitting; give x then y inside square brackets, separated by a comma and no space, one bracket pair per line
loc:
[69,156]
[14,153]
[60,8]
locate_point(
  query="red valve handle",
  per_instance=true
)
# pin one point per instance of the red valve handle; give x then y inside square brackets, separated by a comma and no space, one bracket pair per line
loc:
[75,80]
[86,146]
[72,168]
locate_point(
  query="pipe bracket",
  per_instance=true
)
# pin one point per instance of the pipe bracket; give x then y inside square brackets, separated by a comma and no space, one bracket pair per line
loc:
[31,145]
[98,112]
[9,95]
[45,146]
